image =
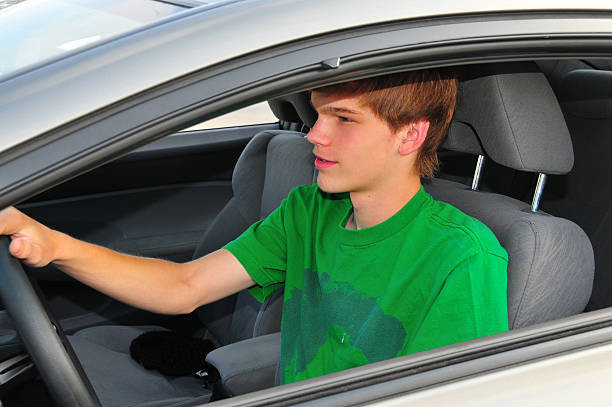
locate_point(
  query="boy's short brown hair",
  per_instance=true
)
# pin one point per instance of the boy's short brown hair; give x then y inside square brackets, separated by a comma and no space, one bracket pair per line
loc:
[401,98]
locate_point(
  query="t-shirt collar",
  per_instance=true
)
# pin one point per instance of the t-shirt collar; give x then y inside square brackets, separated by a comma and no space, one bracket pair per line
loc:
[387,228]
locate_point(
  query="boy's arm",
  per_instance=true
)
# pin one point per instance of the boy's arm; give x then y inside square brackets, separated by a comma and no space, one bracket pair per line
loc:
[152,284]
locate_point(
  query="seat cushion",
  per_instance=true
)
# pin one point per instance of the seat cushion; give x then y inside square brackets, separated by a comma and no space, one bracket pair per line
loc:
[104,353]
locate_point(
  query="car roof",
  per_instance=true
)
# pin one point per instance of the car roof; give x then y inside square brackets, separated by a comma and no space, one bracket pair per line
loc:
[87,79]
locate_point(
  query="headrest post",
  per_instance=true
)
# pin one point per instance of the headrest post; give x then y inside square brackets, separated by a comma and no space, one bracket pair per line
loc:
[535,204]
[478,172]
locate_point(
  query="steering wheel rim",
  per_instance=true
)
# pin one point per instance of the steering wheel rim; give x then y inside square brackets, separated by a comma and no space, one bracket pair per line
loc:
[42,336]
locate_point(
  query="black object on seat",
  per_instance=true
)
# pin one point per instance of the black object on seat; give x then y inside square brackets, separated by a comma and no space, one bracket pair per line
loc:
[170,353]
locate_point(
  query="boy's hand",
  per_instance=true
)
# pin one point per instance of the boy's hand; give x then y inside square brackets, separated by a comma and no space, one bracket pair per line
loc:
[31,241]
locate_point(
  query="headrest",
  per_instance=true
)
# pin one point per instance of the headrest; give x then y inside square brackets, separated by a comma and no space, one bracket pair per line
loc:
[587,93]
[294,108]
[462,138]
[514,112]
[283,110]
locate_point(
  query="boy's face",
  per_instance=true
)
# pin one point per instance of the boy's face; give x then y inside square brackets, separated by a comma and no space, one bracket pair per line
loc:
[355,150]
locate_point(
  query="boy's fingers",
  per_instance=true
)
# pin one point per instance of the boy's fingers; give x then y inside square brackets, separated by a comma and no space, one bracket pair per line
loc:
[26,251]
[24,237]
[19,248]
[4,221]
[10,221]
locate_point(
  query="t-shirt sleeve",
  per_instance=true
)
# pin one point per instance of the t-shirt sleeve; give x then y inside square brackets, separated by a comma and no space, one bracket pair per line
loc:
[471,304]
[262,251]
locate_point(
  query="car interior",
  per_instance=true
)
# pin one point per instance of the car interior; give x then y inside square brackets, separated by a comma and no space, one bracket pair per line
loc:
[527,154]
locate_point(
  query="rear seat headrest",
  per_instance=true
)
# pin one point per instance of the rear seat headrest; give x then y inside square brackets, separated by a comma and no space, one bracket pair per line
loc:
[514,112]
[587,93]
[284,111]
[294,108]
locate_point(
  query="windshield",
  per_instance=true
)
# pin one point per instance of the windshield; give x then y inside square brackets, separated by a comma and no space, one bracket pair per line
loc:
[34,30]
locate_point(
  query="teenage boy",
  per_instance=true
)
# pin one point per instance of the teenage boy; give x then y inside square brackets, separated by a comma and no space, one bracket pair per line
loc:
[372,266]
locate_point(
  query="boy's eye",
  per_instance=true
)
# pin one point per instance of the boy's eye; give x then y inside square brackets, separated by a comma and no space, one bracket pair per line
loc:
[344,119]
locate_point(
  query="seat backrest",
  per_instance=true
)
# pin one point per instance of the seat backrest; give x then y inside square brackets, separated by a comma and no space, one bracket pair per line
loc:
[273,163]
[550,267]
[516,117]
[585,195]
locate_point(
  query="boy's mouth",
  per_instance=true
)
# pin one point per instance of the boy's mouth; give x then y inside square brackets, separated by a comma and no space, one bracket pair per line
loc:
[321,163]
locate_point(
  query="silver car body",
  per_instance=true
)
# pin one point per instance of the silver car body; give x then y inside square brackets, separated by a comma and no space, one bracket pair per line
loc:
[574,378]
[244,26]
[38,99]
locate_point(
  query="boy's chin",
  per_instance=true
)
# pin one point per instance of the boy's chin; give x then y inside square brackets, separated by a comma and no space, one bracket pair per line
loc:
[331,189]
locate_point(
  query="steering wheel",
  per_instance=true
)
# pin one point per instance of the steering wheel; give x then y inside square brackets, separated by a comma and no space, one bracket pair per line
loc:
[42,336]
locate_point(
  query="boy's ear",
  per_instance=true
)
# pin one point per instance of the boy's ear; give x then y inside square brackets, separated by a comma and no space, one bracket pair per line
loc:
[412,136]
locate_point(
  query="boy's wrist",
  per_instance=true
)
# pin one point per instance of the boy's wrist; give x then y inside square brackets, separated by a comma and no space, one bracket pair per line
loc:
[61,246]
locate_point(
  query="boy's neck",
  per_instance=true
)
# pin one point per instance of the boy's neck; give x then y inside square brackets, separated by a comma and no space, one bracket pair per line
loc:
[371,208]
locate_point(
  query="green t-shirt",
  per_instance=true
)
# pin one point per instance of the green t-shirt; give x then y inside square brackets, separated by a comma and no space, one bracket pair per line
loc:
[429,276]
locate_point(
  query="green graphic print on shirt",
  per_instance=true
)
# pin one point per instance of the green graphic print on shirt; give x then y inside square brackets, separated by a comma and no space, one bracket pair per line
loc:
[335,337]
[427,277]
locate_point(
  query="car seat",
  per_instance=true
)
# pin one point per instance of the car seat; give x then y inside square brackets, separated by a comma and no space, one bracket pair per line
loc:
[271,165]
[513,113]
[509,114]
[584,90]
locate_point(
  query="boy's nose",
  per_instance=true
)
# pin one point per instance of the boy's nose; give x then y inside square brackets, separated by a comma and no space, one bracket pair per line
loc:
[317,134]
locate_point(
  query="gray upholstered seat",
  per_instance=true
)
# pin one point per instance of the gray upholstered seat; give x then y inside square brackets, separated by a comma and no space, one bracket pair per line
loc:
[585,195]
[550,270]
[515,117]
[118,380]
[272,164]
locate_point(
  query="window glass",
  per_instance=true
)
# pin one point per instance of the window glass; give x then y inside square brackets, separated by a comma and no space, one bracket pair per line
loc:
[259,113]
[34,30]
